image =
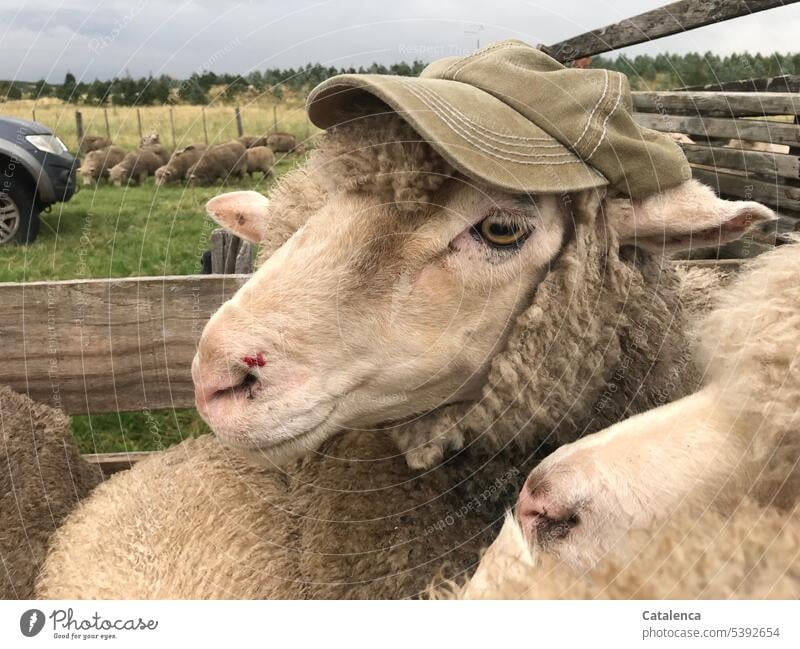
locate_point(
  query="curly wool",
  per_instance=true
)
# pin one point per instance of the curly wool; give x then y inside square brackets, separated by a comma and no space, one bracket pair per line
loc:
[380,154]
[42,477]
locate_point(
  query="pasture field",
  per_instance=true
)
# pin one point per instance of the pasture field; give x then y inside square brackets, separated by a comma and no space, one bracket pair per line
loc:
[258,116]
[108,231]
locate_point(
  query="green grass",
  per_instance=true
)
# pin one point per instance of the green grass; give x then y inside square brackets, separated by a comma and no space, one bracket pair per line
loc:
[109,231]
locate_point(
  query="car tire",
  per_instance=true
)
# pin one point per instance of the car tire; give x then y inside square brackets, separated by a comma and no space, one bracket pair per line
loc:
[19,216]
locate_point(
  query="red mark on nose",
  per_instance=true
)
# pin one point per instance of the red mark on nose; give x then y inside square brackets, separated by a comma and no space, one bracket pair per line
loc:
[255,361]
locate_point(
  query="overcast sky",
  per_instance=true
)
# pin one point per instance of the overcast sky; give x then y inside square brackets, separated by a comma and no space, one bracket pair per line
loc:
[45,38]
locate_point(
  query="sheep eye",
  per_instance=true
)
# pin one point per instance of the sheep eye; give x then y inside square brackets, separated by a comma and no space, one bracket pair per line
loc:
[498,230]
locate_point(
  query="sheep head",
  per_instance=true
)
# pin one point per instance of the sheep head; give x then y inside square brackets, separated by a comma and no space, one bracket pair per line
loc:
[366,316]
[389,287]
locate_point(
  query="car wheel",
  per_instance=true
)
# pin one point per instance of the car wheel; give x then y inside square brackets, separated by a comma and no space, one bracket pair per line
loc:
[19,216]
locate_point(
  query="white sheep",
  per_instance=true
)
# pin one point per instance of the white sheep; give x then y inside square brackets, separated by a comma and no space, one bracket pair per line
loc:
[698,498]
[412,319]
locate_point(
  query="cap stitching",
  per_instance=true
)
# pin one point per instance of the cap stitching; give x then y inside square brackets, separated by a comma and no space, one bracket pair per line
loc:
[594,110]
[608,117]
[482,126]
[460,63]
[495,155]
[432,104]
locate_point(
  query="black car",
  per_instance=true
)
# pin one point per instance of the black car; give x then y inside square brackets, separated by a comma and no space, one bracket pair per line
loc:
[36,170]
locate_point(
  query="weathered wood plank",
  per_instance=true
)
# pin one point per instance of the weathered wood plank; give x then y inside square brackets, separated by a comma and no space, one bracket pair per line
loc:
[717,104]
[219,240]
[749,188]
[742,129]
[91,346]
[757,162]
[782,83]
[244,258]
[681,16]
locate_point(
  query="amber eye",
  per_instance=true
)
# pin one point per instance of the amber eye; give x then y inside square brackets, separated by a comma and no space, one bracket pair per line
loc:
[500,231]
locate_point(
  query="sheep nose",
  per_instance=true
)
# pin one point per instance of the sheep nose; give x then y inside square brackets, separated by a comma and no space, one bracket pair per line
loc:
[236,380]
[542,515]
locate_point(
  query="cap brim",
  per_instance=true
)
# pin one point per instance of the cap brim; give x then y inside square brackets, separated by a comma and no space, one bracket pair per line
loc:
[482,137]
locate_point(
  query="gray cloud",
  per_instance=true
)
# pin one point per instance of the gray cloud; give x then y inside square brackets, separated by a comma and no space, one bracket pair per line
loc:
[104,38]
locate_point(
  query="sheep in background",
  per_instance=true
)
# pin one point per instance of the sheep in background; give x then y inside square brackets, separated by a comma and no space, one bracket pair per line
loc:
[417,302]
[284,143]
[179,164]
[91,143]
[250,141]
[698,498]
[219,162]
[97,164]
[135,167]
[260,158]
[42,477]
[149,140]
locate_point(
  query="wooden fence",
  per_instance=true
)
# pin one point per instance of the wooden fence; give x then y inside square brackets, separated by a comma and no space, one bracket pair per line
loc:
[92,346]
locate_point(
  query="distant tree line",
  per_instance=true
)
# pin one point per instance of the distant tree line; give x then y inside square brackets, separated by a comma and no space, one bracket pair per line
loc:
[665,71]
[645,71]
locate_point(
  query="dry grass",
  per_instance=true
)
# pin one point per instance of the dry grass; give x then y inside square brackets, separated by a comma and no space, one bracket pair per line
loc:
[258,116]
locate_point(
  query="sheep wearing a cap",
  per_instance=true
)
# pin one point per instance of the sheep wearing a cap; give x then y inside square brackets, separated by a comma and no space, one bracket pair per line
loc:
[410,344]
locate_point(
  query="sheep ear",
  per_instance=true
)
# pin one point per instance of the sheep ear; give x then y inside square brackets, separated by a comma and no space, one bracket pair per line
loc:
[690,215]
[241,213]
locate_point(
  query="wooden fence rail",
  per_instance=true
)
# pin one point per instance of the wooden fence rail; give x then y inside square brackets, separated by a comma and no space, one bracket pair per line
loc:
[717,104]
[673,18]
[93,346]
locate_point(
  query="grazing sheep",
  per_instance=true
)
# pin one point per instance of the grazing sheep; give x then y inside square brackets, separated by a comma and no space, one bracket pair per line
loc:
[179,164]
[219,162]
[97,164]
[159,150]
[698,498]
[135,167]
[260,158]
[42,477]
[250,141]
[91,143]
[149,140]
[284,143]
[396,292]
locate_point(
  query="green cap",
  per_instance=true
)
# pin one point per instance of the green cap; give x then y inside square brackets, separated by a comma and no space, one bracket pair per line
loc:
[514,118]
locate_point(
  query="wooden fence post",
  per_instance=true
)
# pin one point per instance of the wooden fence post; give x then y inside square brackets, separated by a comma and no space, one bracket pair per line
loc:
[205,128]
[239,127]
[79,127]
[33,112]
[172,127]
[108,128]
[226,253]
[275,118]
[139,120]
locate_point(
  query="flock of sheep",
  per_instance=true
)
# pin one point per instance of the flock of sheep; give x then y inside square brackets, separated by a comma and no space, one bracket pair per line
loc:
[194,164]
